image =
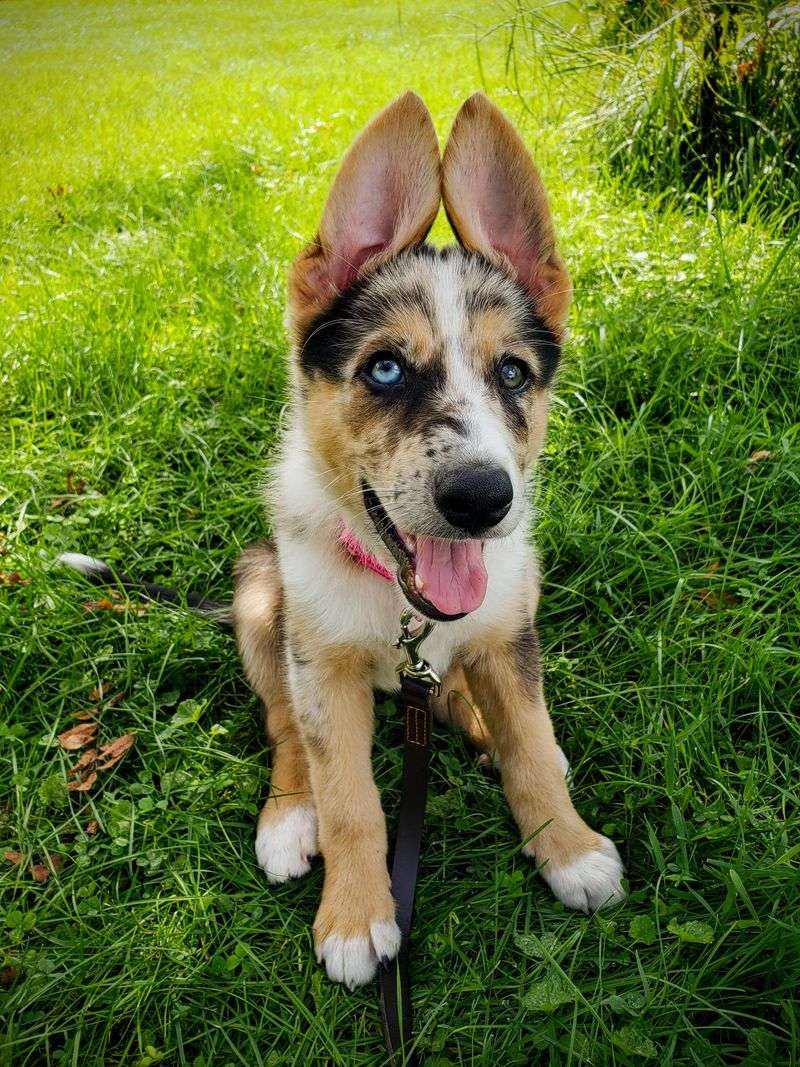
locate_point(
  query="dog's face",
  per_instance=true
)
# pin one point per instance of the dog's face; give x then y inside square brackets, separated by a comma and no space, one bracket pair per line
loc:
[423,375]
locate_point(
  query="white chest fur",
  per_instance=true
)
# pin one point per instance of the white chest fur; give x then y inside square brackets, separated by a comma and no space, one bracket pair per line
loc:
[349,604]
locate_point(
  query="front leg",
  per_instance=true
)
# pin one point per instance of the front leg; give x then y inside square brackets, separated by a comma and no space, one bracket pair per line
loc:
[581,867]
[355,926]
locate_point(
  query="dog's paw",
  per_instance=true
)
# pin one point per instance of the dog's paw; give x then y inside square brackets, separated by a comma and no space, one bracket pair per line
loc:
[286,841]
[353,960]
[590,882]
[355,927]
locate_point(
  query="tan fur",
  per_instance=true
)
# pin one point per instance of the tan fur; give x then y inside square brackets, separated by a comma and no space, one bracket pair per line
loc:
[345,430]
[294,638]
[351,824]
[331,760]
[456,707]
[258,623]
[533,778]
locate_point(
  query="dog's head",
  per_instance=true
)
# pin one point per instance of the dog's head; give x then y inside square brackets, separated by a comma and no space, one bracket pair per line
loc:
[423,375]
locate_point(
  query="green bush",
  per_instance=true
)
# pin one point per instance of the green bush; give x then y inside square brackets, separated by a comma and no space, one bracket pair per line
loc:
[702,99]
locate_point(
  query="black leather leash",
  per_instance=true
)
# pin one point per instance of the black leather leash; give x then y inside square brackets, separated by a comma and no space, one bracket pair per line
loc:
[418,684]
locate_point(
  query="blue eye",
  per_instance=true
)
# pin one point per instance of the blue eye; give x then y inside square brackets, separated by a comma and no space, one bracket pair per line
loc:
[384,370]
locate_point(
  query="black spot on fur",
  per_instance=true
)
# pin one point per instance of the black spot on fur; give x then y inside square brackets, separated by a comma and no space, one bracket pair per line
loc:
[513,409]
[416,401]
[544,343]
[527,655]
[329,339]
[534,332]
[316,744]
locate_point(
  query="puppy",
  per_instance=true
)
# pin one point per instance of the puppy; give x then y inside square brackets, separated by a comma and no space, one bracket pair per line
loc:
[421,379]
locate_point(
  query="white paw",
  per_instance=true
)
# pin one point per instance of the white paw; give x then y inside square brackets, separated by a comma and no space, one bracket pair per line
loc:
[590,882]
[354,960]
[284,846]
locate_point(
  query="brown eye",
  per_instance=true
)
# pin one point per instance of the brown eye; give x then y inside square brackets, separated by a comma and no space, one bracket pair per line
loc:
[514,375]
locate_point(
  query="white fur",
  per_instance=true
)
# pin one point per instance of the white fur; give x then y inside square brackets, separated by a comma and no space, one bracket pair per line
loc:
[285,846]
[591,882]
[562,759]
[488,438]
[354,960]
[351,605]
[87,565]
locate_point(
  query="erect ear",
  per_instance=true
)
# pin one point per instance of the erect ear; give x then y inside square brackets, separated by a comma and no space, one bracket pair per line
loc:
[497,205]
[384,199]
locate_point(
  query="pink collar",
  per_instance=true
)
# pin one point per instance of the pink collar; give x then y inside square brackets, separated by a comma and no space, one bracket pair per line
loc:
[356,551]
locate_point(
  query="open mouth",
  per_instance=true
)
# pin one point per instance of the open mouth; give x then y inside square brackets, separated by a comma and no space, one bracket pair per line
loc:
[443,579]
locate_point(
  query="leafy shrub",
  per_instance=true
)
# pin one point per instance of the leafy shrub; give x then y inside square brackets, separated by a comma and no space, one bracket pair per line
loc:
[704,98]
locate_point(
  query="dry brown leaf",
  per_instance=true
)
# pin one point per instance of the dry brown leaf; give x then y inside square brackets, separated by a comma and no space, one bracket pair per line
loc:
[13,857]
[104,604]
[40,872]
[99,691]
[75,486]
[743,69]
[92,827]
[13,578]
[113,752]
[83,772]
[84,716]
[8,975]
[713,567]
[86,760]
[85,785]
[78,736]
[115,699]
[712,599]
[758,457]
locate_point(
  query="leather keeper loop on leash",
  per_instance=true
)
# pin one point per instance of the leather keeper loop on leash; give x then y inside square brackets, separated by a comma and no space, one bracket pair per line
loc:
[418,684]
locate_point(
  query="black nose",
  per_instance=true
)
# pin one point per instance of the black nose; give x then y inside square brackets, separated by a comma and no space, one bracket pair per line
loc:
[474,498]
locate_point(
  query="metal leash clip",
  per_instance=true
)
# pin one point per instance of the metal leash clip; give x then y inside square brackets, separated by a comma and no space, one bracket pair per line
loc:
[409,640]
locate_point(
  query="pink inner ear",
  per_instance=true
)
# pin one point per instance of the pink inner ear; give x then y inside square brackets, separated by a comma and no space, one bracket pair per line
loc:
[367,225]
[506,226]
[344,266]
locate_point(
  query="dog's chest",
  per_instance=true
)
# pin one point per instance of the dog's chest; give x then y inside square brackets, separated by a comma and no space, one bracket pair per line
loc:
[349,606]
[439,651]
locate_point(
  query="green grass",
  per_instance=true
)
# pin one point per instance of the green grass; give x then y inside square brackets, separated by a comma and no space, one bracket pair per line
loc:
[161,163]
[689,101]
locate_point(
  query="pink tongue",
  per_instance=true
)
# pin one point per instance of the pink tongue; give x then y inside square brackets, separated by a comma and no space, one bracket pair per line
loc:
[452,573]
